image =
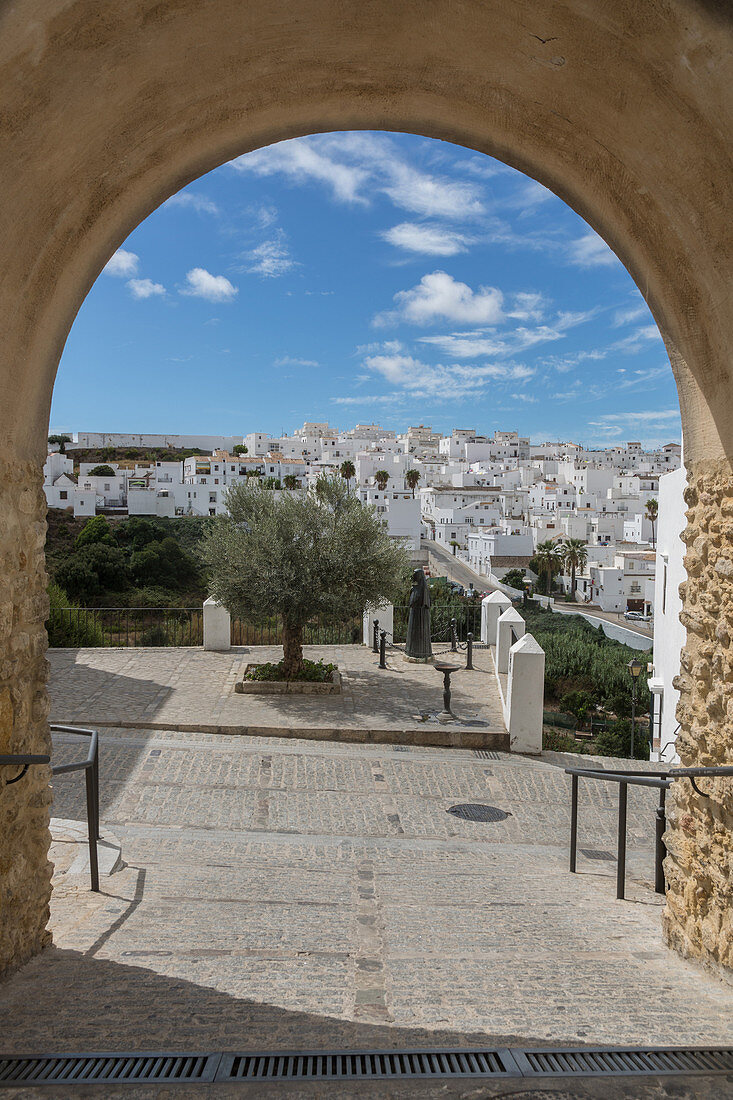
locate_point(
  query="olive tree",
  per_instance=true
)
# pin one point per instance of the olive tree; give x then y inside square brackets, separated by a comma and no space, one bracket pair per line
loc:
[299,555]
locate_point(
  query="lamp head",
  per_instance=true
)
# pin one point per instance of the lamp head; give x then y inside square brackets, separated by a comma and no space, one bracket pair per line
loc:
[635,668]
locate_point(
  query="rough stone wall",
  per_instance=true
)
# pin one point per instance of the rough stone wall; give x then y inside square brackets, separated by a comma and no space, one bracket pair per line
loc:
[698,918]
[25,873]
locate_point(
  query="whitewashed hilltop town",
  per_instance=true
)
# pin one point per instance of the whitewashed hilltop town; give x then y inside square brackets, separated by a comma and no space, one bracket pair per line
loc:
[491,501]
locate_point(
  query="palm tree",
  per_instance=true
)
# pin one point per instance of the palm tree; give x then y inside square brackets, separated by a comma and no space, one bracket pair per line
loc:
[548,561]
[412,477]
[575,558]
[381,477]
[290,481]
[347,471]
[652,511]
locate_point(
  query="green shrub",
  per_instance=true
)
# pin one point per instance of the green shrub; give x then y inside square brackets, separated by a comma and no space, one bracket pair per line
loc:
[94,530]
[67,627]
[155,636]
[556,741]
[312,671]
[616,741]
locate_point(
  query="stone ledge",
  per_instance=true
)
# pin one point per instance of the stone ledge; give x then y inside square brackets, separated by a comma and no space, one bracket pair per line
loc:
[286,687]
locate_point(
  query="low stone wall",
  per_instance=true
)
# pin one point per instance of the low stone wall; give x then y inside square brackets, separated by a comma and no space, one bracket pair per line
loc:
[25,873]
[286,687]
[698,917]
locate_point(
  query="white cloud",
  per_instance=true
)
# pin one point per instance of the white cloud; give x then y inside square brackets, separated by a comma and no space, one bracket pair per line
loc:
[471,345]
[145,288]
[272,258]
[638,339]
[590,250]
[430,240]
[293,361]
[200,283]
[370,399]
[354,165]
[626,316]
[528,306]
[440,297]
[123,264]
[301,161]
[449,382]
[195,201]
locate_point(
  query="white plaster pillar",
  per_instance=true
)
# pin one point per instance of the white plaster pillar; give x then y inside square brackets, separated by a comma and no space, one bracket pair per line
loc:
[526,695]
[510,625]
[217,626]
[385,613]
[492,607]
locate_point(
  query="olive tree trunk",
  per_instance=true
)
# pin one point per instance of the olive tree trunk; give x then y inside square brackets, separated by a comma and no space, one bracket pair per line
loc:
[292,650]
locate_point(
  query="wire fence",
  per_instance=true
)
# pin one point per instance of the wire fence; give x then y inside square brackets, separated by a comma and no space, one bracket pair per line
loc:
[467,619]
[98,627]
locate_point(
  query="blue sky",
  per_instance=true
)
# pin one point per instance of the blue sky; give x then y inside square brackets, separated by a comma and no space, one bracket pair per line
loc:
[360,277]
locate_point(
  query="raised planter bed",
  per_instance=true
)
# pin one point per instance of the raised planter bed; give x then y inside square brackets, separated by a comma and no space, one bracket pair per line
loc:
[286,687]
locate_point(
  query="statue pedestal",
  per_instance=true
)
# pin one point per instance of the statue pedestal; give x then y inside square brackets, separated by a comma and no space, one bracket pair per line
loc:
[419,660]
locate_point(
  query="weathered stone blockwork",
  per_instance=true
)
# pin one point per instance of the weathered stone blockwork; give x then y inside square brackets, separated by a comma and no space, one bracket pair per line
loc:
[698,918]
[25,873]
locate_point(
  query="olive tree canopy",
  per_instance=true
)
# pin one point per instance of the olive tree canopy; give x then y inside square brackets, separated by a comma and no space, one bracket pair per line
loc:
[300,555]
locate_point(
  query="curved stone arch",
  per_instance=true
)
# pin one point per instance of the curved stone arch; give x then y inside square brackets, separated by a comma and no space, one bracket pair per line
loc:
[623,111]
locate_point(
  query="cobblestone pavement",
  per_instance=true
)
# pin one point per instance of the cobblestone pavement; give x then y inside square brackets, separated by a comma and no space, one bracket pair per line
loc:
[189,689]
[284,893]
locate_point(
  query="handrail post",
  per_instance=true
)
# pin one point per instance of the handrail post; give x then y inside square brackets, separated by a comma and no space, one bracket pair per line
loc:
[91,829]
[382,649]
[375,639]
[623,791]
[573,821]
[469,652]
[659,884]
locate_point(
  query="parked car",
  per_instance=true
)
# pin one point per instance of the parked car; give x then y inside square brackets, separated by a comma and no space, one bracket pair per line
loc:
[635,615]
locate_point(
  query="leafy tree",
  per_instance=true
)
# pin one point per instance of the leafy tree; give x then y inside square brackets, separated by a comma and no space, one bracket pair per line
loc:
[162,563]
[381,477]
[455,544]
[138,532]
[514,578]
[412,477]
[301,555]
[61,441]
[347,470]
[547,563]
[290,481]
[94,530]
[271,483]
[239,449]
[102,471]
[652,511]
[94,568]
[574,556]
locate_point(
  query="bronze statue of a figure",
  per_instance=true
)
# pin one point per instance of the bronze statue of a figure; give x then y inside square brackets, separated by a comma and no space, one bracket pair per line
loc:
[418,625]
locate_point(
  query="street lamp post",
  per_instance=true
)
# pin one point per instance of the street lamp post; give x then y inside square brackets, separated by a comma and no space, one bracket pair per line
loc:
[634,668]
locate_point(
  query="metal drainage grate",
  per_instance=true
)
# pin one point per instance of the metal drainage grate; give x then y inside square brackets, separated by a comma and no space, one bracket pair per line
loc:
[73,1068]
[367,1064]
[596,853]
[485,754]
[623,1060]
[324,1064]
[400,748]
[477,812]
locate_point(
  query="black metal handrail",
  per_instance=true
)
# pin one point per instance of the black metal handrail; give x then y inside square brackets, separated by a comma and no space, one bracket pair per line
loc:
[662,780]
[22,761]
[91,767]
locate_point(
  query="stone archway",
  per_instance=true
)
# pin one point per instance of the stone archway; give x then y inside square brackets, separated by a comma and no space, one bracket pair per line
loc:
[106,110]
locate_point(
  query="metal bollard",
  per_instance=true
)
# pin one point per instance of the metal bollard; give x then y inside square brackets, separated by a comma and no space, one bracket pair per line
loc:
[375,639]
[383,649]
[453,637]
[469,651]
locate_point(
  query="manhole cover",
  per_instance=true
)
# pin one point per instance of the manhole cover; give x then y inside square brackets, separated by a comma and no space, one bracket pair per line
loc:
[595,853]
[477,812]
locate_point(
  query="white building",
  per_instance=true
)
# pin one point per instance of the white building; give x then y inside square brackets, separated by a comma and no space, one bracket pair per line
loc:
[669,633]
